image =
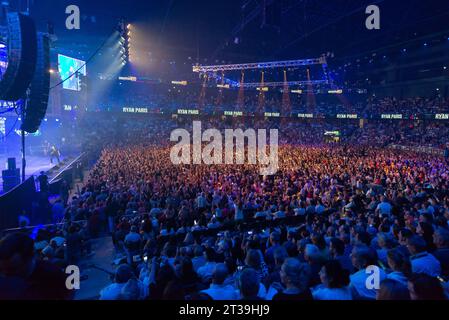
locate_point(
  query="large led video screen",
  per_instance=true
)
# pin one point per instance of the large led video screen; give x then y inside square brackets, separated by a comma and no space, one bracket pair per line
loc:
[69,66]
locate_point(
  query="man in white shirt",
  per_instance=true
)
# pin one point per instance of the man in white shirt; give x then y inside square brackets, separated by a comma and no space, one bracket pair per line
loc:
[360,285]
[206,271]
[132,244]
[198,260]
[384,207]
[201,201]
[218,290]
[421,260]
[122,275]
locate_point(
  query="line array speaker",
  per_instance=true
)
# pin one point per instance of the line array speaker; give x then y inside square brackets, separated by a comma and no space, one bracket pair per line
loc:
[40,86]
[22,55]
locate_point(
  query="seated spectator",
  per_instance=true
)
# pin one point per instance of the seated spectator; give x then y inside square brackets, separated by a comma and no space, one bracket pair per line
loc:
[24,276]
[314,258]
[133,239]
[400,266]
[385,242]
[41,240]
[249,285]
[280,254]
[337,252]
[421,260]
[206,271]
[295,278]
[254,260]
[441,241]
[425,230]
[218,290]
[335,281]
[188,278]
[424,287]
[362,258]
[275,242]
[384,207]
[74,245]
[159,279]
[392,290]
[290,244]
[123,274]
[130,291]
[198,260]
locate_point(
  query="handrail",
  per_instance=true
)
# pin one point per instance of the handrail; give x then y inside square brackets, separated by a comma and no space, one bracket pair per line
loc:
[42,226]
[67,166]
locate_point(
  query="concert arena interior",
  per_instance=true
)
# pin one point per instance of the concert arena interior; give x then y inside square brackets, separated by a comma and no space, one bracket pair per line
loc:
[244,150]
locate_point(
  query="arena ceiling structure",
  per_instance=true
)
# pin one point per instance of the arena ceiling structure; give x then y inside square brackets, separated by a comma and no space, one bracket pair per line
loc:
[184,33]
[245,29]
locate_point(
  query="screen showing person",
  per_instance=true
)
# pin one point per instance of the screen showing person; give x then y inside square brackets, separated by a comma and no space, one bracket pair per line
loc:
[70,70]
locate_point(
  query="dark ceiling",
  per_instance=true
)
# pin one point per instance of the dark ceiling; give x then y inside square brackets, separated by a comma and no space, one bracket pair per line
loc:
[248,30]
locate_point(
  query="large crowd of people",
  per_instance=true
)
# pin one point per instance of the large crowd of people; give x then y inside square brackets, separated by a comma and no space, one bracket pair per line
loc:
[335,213]
[310,232]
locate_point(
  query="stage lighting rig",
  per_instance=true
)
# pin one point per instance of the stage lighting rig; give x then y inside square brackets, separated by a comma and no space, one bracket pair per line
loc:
[125,31]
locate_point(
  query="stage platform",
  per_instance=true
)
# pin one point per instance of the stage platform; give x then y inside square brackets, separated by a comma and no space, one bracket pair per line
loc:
[34,165]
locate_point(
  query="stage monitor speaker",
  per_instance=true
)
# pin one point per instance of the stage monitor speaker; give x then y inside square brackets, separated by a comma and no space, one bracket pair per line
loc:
[12,164]
[40,86]
[22,55]
[11,179]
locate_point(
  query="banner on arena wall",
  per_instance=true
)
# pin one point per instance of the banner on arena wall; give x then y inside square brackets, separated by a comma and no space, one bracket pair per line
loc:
[391,116]
[233,113]
[134,110]
[272,114]
[347,116]
[188,111]
[442,116]
[305,115]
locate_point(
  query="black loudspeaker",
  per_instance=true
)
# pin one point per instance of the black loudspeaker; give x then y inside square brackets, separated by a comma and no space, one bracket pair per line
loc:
[11,179]
[40,86]
[22,55]
[12,164]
